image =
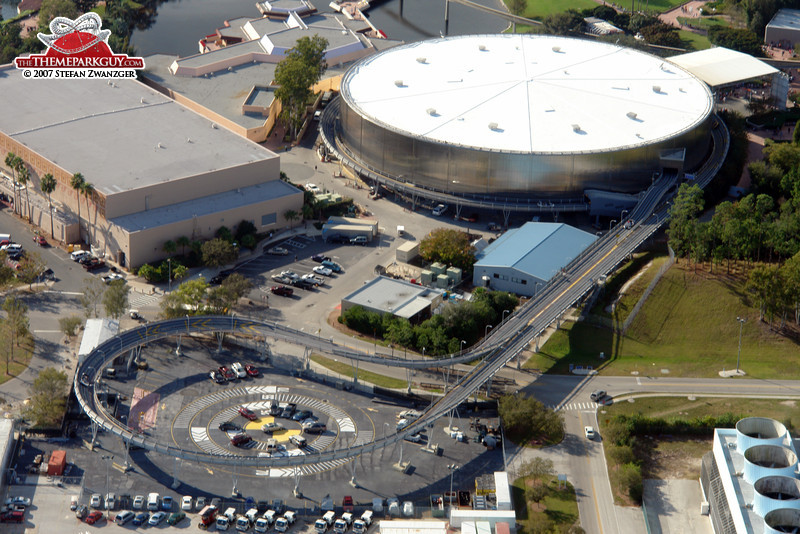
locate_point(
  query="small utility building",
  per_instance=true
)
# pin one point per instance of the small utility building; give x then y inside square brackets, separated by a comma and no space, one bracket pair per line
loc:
[522,261]
[397,297]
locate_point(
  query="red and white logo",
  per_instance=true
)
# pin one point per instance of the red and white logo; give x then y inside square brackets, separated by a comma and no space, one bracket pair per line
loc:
[78,49]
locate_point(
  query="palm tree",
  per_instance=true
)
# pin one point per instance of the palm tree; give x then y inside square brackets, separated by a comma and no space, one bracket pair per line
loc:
[24,178]
[88,192]
[291,215]
[48,184]
[170,247]
[183,242]
[77,182]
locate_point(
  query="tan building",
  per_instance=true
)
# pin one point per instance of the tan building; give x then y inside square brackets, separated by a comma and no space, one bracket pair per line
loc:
[159,170]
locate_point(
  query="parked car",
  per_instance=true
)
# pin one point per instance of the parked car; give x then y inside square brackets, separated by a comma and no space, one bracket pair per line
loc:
[227,373]
[251,370]
[414,438]
[337,238]
[321,269]
[138,502]
[359,240]
[82,511]
[314,428]
[96,501]
[281,279]
[217,377]
[141,518]
[226,426]
[313,189]
[302,283]
[93,264]
[40,240]
[111,501]
[123,517]
[319,258]
[12,516]
[332,265]
[588,432]
[176,518]
[73,503]
[200,503]
[289,274]
[247,413]
[315,280]
[282,291]
[110,277]
[240,439]
[238,368]
[18,500]
[157,518]
[78,254]
[439,210]
[166,503]
[219,278]
[299,441]
[271,427]
[94,517]
[278,251]
[301,415]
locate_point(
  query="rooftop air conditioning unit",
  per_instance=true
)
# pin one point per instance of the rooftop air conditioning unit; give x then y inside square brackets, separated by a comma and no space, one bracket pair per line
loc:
[631,115]
[493,126]
[398,83]
[556,49]
[656,88]
[422,60]
[482,48]
[576,127]
[431,112]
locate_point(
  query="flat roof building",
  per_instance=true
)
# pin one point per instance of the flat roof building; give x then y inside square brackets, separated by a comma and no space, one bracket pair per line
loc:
[396,297]
[523,260]
[159,170]
[784,29]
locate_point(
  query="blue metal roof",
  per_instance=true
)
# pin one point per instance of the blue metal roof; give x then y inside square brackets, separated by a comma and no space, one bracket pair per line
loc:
[538,249]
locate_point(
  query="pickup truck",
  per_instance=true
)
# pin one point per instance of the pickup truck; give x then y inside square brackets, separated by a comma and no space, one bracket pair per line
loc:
[93,264]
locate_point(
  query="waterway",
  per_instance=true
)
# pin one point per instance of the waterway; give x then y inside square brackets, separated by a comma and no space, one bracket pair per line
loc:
[180,24]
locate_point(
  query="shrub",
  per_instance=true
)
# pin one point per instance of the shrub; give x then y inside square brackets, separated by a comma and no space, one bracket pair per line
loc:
[631,479]
[622,455]
[69,325]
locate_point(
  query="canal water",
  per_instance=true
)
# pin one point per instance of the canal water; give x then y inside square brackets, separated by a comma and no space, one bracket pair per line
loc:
[180,24]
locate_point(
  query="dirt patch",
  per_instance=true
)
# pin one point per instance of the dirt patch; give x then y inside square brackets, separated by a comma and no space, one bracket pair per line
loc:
[789,403]
[676,458]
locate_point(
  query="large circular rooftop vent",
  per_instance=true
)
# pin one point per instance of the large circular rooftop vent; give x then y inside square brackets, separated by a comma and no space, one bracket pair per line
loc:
[758,431]
[782,520]
[768,460]
[773,493]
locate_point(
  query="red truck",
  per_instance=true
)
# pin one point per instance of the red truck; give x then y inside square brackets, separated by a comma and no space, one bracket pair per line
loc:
[208,515]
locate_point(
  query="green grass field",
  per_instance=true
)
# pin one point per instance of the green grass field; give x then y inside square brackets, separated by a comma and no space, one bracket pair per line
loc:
[685,408]
[694,41]
[538,9]
[345,369]
[687,327]
[559,507]
[703,23]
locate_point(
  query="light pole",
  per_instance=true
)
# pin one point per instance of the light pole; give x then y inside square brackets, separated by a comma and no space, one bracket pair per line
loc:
[486,330]
[611,224]
[504,315]
[462,346]
[741,320]
[452,468]
[423,352]
[169,276]
[622,215]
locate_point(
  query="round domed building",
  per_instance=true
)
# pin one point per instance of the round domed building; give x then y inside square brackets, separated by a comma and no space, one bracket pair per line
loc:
[522,115]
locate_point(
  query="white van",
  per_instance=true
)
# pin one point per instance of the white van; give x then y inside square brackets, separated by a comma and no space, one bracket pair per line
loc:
[78,254]
[153,502]
[272,445]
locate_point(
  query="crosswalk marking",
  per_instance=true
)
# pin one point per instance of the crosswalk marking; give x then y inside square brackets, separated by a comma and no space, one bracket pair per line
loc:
[295,244]
[137,300]
[574,406]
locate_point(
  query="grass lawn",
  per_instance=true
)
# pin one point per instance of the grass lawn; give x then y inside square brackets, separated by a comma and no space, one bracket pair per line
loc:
[694,41]
[703,23]
[22,357]
[538,9]
[346,369]
[559,506]
[687,327]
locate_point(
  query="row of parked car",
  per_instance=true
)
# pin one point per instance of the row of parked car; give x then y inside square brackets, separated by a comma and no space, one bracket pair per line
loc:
[236,371]
[13,510]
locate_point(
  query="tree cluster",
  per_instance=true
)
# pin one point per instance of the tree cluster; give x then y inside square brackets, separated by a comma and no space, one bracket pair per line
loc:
[295,75]
[526,419]
[48,398]
[741,40]
[113,297]
[196,297]
[441,334]
[15,334]
[448,246]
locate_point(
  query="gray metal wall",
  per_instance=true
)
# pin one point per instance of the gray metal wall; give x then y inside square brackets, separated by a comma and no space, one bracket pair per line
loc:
[467,170]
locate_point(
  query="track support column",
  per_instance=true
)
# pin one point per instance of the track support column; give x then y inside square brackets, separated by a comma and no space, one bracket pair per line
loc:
[178,348]
[95,428]
[175,473]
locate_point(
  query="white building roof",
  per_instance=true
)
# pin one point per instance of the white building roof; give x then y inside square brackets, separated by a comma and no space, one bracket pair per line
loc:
[95,332]
[524,93]
[721,66]
[412,527]
[786,19]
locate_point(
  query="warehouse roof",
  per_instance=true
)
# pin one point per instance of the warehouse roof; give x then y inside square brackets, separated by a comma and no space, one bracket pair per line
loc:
[721,66]
[786,19]
[120,135]
[396,297]
[537,249]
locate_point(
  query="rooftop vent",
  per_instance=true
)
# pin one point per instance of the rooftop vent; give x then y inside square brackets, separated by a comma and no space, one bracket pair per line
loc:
[576,128]
[230,69]
[431,112]
[422,60]
[493,126]
[399,83]
[214,126]
[188,139]
[631,115]
[142,100]
[160,145]
[656,88]
[482,48]
[556,49]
